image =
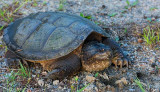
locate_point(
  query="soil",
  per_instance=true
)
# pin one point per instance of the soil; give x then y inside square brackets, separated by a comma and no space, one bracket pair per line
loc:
[125,22]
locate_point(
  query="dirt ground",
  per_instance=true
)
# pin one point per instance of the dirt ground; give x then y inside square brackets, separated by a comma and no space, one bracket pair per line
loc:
[125,20]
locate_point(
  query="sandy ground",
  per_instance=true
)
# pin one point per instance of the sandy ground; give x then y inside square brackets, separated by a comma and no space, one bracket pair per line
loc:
[124,22]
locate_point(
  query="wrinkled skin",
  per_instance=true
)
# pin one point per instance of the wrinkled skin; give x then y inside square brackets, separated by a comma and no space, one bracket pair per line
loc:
[94,56]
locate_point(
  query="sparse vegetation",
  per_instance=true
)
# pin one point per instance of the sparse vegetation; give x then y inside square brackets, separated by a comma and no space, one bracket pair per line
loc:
[61,5]
[137,81]
[84,16]
[153,8]
[150,35]
[75,87]
[131,5]
[15,76]
[10,12]
[112,14]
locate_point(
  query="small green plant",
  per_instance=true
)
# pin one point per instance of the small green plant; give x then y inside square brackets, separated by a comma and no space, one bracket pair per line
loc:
[129,5]
[87,17]
[24,71]
[112,14]
[80,90]
[15,76]
[74,87]
[125,30]
[9,12]
[96,75]
[153,8]
[137,81]
[150,36]
[61,5]
[1,28]
[35,3]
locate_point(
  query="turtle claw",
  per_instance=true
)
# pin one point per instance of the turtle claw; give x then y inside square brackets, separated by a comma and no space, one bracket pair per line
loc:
[121,61]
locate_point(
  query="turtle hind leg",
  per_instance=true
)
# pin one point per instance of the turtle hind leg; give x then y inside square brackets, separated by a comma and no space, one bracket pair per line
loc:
[64,67]
[119,58]
[11,59]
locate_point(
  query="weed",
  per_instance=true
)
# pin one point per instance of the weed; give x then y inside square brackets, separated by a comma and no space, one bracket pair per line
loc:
[9,12]
[35,3]
[96,75]
[112,14]
[75,86]
[137,81]
[1,27]
[153,8]
[129,5]
[61,5]
[125,30]
[24,71]
[87,17]
[80,90]
[17,76]
[150,36]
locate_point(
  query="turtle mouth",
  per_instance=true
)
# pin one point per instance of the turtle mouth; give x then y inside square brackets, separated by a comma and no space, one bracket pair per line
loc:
[103,56]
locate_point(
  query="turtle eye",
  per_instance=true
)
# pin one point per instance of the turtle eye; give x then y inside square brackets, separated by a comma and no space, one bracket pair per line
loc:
[101,50]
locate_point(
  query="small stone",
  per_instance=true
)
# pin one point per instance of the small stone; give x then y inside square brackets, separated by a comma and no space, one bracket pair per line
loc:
[40,82]
[56,82]
[125,82]
[140,40]
[153,65]
[29,90]
[121,82]
[44,73]
[132,90]
[90,78]
[33,76]
[103,6]
[96,89]
[105,76]
[152,60]
[153,19]
[49,86]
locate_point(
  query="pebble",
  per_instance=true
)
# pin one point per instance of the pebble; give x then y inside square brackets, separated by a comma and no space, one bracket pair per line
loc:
[44,73]
[132,90]
[55,82]
[105,76]
[40,82]
[90,78]
[140,40]
[49,86]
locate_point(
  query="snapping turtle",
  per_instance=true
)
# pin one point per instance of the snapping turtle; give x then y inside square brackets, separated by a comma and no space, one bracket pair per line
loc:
[62,43]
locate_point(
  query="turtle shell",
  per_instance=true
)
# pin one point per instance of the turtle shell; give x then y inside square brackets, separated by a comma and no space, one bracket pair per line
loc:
[48,35]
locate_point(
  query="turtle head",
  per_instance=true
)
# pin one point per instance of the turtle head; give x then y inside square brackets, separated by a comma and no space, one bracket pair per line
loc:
[97,51]
[96,56]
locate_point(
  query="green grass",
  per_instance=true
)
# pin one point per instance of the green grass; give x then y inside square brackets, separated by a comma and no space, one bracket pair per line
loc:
[9,12]
[1,28]
[84,16]
[74,87]
[14,77]
[61,5]
[129,5]
[153,8]
[24,71]
[150,36]
[112,14]
[137,81]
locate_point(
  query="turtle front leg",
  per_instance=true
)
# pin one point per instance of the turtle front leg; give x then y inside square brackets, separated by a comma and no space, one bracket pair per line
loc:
[119,58]
[64,67]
